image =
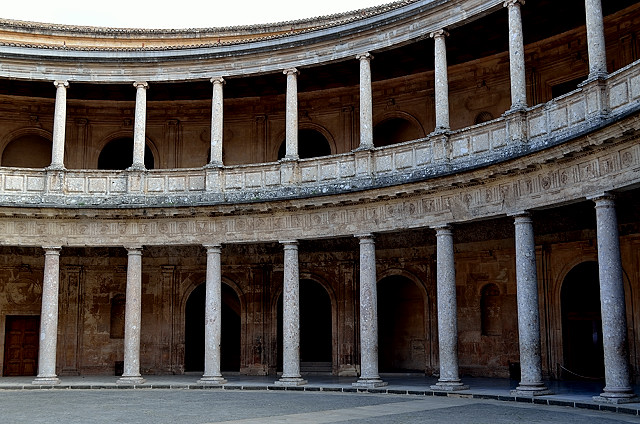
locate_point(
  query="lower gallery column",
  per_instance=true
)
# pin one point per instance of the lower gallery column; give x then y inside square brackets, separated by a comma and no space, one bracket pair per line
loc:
[132,318]
[368,315]
[49,317]
[612,304]
[291,318]
[213,318]
[447,312]
[528,313]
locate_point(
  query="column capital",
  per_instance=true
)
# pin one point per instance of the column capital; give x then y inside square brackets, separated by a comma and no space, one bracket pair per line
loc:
[291,71]
[520,215]
[443,229]
[213,248]
[364,237]
[52,249]
[439,33]
[509,3]
[134,249]
[61,83]
[289,243]
[605,199]
[364,56]
[141,84]
[217,80]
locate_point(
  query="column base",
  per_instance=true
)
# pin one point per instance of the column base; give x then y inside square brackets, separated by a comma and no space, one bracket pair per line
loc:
[46,381]
[617,395]
[449,386]
[531,390]
[369,383]
[212,381]
[130,380]
[291,381]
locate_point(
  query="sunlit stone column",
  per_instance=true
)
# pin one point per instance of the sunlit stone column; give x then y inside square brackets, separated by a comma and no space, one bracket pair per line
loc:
[59,125]
[366,102]
[441,80]
[612,304]
[291,136]
[528,313]
[139,125]
[516,56]
[49,317]
[216,122]
[368,315]
[291,318]
[447,311]
[596,47]
[213,318]
[132,318]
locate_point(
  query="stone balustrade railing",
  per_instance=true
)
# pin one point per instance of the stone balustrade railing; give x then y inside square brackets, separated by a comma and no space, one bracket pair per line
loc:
[594,105]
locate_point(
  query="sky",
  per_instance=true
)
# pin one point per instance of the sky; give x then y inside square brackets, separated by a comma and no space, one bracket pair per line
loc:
[174,13]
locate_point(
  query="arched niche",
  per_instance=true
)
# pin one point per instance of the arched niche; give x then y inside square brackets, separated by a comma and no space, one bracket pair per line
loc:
[27,151]
[312,143]
[396,129]
[118,154]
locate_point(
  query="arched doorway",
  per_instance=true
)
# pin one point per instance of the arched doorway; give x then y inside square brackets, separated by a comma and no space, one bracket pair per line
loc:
[316,328]
[582,323]
[311,144]
[118,154]
[28,151]
[194,330]
[401,325]
[393,131]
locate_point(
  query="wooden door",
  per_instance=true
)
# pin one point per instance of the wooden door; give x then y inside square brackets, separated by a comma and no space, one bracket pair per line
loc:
[21,345]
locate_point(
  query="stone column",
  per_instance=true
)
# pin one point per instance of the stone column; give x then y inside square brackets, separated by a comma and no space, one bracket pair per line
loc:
[132,318]
[59,125]
[140,123]
[291,137]
[213,318]
[447,312]
[291,318]
[368,315]
[612,304]
[366,102]
[516,56]
[596,47]
[441,81]
[528,313]
[216,122]
[49,317]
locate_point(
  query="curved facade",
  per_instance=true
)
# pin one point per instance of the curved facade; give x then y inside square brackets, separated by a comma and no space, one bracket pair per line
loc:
[425,186]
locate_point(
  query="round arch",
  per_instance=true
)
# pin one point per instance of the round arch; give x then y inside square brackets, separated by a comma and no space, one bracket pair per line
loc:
[26,148]
[396,127]
[320,142]
[125,161]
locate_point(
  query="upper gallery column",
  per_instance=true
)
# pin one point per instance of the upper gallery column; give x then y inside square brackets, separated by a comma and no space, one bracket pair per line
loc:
[528,312]
[368,315]
[596,47]
[132,318]
[516,56]
[139,125]
[59,125]
[441,80]
[447,311]
[213,318]
[291,318]
[366,102]
[49,317]
[216,122]
[612,304]
[291,114]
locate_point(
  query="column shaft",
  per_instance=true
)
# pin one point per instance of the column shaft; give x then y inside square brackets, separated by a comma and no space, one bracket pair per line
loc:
[366,102]
[516,56]
[59,125]
[49,317]
[368,315]
[216,122]
[291,136]
[596,47]
[441,85]
[132,318]
[447,312]
[139,127]
[612,304]
[291,318]
[528,312]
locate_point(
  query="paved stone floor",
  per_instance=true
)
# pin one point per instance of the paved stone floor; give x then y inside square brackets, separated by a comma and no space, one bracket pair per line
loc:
[253,400]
